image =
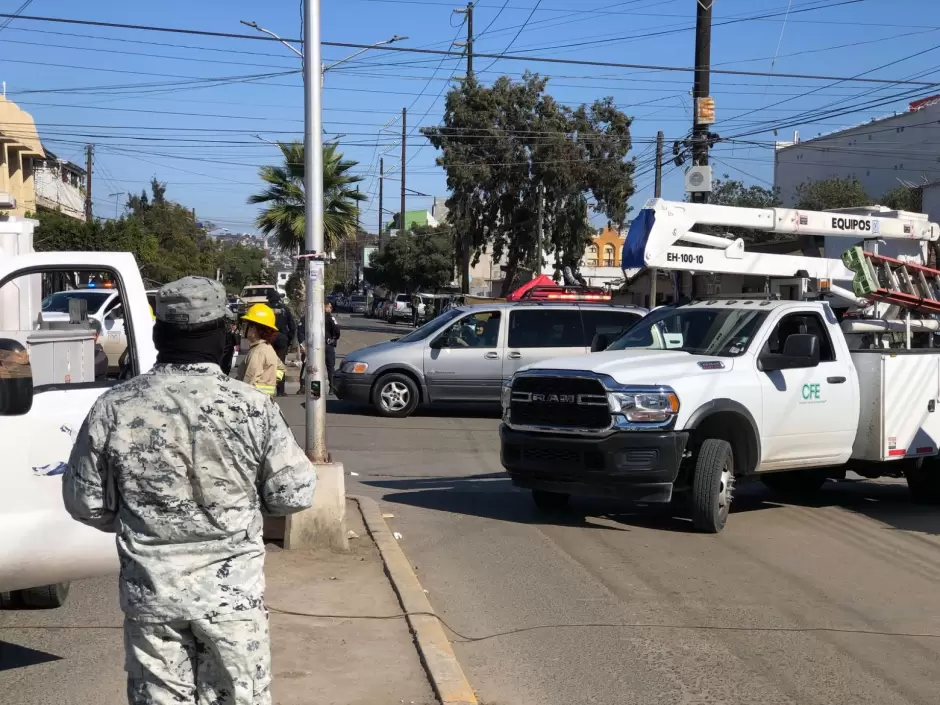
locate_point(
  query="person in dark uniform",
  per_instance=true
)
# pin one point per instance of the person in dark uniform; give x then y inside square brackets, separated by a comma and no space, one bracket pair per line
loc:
[332,338]
[286,330]
[233,340]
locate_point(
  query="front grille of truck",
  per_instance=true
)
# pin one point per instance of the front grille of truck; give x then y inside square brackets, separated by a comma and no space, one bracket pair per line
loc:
[559,402]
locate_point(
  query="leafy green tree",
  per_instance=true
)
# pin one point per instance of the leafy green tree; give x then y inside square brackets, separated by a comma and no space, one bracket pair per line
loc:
[501,144]
[904,198]
[241,265]
[421,259]
[831,193]
[284,197]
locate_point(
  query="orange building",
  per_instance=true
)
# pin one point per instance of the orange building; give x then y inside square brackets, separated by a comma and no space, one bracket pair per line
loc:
[605,250]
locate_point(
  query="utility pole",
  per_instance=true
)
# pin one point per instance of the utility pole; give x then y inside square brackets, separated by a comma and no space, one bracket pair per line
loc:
[464,241]
[115,197]
[89,159]
[404,136]
[700,90]
[657,193]
[381,211]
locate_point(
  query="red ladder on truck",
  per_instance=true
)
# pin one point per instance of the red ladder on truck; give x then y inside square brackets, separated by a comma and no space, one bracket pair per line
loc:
[880,278]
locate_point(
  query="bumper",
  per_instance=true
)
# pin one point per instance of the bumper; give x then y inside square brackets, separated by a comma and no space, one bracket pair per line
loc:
[638,466]
[353,388]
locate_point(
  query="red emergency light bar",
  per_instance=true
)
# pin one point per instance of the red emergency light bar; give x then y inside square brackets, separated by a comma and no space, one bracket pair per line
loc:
[558,293]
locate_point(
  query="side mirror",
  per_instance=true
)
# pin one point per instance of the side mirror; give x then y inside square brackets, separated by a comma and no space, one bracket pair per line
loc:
[799,351]
[601,342]
[16,379]
[438,343]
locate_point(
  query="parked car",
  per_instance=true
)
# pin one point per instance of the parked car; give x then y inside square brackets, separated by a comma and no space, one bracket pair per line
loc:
[257,294]
[464,354]
[399,308]
[104,309]
[357,303]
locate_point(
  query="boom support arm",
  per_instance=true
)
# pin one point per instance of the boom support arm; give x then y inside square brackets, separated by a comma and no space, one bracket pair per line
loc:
[660,225]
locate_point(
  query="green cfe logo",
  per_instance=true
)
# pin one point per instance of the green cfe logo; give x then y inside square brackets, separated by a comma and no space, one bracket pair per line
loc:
[810,392]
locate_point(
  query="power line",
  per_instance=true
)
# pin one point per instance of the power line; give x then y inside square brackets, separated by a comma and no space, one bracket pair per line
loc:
[441,52]
[16,13]
[516,35]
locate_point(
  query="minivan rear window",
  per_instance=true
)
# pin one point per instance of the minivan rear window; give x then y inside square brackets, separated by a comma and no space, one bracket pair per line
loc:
[403,297]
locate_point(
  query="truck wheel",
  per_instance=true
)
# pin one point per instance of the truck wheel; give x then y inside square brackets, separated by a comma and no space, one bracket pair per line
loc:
[712,486]
[797,482]
[46,597]
[924,483]
[395,395]
[550,501]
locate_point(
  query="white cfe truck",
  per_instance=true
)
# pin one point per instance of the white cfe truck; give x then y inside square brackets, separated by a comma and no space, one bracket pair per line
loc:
[47,387]
[705,392]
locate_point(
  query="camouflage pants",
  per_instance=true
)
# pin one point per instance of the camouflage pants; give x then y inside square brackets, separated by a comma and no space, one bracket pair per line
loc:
[224,660]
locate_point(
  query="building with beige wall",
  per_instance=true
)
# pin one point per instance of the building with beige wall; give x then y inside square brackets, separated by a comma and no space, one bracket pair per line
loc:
[19,146]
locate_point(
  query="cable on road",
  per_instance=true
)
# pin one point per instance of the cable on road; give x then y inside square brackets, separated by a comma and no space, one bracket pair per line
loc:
[465,638]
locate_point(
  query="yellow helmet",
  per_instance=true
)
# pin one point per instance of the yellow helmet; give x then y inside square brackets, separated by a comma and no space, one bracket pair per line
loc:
[262,315]
[153,316]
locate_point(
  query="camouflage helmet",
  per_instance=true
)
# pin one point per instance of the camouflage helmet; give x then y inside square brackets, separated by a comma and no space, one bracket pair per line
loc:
[192,302]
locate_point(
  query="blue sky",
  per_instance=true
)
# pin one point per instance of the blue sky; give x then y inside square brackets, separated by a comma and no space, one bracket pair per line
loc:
[200,138]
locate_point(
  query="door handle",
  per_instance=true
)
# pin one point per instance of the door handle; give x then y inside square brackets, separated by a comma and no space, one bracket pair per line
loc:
[515,356]
[491,356]
[835,380]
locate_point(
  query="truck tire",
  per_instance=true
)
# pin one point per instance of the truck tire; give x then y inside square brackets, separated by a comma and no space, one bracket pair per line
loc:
[796,482]
[395,395]
[45,597]
[924,483]
[712,486]
[550,501]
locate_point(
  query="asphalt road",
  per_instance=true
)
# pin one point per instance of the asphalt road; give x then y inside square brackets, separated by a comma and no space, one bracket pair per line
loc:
[830,602]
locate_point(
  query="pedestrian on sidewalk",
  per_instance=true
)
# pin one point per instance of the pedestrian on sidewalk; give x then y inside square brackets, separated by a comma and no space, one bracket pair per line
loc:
[180,463]
[332,338]
[262,369]
[287,330]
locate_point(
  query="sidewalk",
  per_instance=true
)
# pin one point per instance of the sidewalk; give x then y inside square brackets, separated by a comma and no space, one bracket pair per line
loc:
[75,654]
[340,661]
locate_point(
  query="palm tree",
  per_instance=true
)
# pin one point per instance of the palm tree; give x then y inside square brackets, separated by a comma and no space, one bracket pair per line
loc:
[285,200]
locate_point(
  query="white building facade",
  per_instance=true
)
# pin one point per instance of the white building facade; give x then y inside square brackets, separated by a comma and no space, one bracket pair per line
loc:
[900,149]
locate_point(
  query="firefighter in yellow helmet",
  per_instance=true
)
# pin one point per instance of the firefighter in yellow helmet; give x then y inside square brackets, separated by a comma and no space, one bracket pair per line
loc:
[262,368]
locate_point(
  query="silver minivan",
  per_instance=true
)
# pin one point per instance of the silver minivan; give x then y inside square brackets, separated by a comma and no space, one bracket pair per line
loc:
[463,355]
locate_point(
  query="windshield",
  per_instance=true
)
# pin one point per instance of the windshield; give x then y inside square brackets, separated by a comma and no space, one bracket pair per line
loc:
[725,332]
[431,327]
[357,299]
[257,291]
[59,302]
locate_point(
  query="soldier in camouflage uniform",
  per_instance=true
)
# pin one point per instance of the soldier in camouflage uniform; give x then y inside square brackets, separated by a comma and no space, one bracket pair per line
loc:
[180,463]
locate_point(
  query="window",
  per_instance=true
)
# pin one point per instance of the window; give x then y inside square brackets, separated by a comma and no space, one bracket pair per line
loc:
[477,330]
[608,255]
[403,298]
[431,327]
[59,302]
[607,322]
[545,328]
[724,332]
[793,323]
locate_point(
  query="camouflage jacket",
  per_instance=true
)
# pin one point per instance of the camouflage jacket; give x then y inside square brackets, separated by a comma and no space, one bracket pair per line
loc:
[180,463]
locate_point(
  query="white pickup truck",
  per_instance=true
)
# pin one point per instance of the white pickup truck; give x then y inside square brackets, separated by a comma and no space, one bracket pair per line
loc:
[699,394]
[46,389]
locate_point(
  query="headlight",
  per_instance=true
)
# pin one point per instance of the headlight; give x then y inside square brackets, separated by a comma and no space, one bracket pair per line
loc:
[506,395]
[644,407]
[354,367]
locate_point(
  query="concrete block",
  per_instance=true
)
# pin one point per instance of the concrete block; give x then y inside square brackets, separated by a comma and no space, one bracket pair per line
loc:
[324,524]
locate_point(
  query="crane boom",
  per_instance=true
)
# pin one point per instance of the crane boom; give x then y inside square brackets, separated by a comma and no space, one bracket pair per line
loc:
[658,228]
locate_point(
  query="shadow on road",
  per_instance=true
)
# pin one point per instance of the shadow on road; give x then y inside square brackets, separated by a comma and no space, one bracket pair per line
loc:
[492,496]
[481,411]
[16,656]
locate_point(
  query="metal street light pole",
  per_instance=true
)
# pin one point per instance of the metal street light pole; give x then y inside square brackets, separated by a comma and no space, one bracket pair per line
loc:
[313,70]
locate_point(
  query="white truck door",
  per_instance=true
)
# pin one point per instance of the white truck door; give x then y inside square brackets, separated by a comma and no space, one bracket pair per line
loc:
[42,544]
[809,414]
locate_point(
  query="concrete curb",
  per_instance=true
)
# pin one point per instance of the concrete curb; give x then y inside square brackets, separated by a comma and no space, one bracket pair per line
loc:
[438,657]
